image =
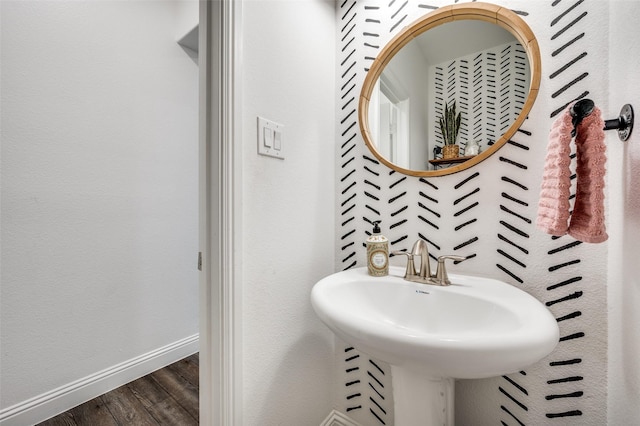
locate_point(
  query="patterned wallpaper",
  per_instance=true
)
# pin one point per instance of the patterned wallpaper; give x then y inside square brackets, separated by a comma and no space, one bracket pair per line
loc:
[489,91]
[486,214]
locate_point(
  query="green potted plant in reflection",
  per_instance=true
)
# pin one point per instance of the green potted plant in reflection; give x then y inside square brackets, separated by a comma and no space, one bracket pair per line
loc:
[450,126]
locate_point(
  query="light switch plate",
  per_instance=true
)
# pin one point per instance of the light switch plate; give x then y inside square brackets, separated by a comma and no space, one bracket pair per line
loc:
[270,138]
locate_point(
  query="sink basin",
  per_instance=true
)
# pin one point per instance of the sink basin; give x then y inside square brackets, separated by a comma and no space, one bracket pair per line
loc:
[474,328]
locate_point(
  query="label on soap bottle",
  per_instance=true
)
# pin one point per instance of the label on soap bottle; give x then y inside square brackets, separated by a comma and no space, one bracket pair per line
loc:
[378,259]
[378,256]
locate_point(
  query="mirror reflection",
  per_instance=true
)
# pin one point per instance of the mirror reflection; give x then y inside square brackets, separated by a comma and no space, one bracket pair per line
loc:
[475,66]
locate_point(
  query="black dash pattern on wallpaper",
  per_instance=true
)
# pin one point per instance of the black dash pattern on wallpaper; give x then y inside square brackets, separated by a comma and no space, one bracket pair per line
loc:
[568,74]
[513,237]
[364,194]
[377,398]
[371,178]
[465,207]
[488,88]
[354,395]
[349,131]
[369,191]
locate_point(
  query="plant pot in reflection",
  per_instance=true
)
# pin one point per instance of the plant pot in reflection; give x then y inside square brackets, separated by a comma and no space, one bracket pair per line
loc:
[450,151]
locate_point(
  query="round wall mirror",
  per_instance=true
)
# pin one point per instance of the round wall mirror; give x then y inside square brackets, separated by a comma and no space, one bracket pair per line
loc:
[450,89]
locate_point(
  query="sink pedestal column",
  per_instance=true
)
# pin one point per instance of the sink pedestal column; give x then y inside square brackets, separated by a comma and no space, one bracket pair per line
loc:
[420,399]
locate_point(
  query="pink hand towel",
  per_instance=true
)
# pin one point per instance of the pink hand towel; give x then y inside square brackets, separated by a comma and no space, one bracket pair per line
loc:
[587,220]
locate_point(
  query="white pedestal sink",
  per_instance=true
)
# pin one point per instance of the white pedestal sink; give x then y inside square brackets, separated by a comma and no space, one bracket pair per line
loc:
[430,335]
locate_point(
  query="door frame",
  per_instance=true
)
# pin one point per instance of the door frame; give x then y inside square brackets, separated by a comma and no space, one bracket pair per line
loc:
[220,189]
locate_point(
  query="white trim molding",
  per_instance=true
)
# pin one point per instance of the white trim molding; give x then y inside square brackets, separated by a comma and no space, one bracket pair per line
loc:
[56,401]
[220,214]
[336,418]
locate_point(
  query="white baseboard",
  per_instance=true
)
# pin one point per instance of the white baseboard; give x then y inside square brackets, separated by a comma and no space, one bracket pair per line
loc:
[336,418]
[59,400]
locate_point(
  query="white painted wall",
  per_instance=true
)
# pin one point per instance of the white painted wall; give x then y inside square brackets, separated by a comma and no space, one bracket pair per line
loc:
[288,62]
[624,219]
[186,16]
[99,189]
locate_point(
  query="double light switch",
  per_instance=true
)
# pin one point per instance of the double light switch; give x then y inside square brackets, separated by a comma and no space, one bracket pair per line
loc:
[270,138]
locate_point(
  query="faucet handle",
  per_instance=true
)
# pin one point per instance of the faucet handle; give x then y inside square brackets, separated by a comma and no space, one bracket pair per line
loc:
[420,248]
[441,272]
[411,267]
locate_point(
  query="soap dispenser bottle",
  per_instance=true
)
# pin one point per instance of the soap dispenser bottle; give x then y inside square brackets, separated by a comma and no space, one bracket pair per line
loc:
[377,252]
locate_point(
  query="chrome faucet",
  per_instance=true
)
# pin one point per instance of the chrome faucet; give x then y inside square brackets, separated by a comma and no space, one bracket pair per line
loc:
[421,249]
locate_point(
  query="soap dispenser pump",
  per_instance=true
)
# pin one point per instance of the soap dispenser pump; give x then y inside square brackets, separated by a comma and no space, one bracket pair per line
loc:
[377,252]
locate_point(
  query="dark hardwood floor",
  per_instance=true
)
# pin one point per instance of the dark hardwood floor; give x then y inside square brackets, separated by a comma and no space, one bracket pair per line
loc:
[168,396]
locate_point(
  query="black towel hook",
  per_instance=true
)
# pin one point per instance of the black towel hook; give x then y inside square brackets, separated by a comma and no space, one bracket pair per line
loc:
[623,124]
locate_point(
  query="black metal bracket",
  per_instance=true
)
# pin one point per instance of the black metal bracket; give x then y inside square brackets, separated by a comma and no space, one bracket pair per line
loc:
[623,124]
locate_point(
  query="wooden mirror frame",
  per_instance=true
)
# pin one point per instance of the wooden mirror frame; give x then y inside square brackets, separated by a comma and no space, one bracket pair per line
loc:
[487,12]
